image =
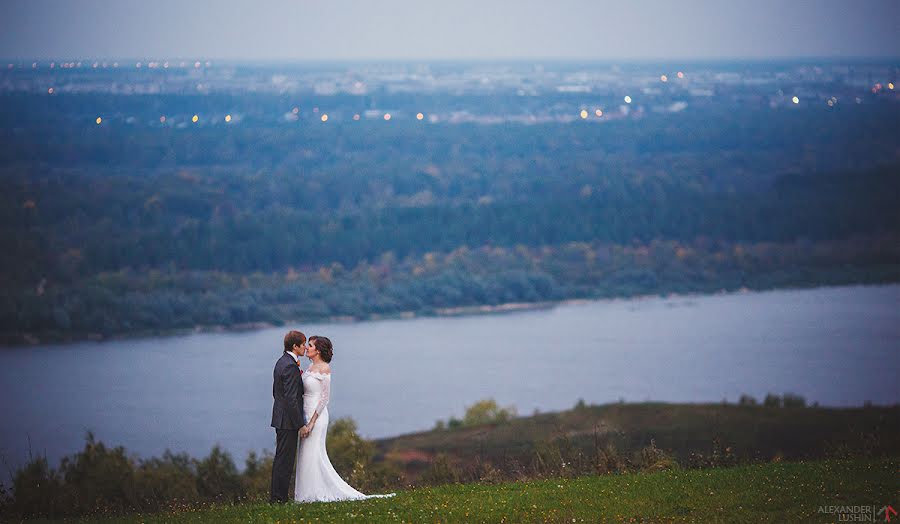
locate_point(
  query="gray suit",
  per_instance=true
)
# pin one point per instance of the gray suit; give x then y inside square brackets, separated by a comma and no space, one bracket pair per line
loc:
[287,419]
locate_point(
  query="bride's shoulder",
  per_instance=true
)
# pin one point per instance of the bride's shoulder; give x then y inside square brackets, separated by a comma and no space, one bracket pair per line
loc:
[321,369]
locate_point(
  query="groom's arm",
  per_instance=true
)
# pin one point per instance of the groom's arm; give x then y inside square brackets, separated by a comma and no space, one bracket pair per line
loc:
[291,380]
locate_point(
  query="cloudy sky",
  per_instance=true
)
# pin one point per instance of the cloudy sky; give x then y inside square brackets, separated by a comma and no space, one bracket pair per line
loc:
[455,29]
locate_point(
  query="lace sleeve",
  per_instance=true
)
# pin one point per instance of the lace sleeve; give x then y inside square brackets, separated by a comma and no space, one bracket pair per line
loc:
[326,392]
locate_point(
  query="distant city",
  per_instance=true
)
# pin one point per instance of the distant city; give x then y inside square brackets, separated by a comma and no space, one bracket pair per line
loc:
[517,92]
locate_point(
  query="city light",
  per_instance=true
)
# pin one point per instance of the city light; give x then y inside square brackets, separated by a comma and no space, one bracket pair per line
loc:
[795,100]
[356,116]
[680,74]
[419,116]
[99,120]
[295,110]
[162,119]
[664,78]
[387,116]
[195,118]
[891,86]
[325,117]
[598,112]
[228,118]
[50,91]
[627,99]
[584,113]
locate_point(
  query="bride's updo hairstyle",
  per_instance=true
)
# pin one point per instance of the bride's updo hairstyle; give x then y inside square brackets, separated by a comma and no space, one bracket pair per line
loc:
[324,347]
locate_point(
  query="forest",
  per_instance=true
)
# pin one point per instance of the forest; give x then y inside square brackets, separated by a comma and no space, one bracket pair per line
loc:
[117,230]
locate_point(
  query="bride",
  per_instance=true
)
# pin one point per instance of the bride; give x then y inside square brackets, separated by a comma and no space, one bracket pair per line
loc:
[316,480]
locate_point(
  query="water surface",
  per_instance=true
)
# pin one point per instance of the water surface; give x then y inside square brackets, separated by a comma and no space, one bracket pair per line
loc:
[835,346]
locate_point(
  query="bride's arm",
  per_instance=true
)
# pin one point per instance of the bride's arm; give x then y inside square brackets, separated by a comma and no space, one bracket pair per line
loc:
[323,401]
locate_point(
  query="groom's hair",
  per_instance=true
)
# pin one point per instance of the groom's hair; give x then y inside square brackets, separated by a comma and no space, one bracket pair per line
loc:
[293,337]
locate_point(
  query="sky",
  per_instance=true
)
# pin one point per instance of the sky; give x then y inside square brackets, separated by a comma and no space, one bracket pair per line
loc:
[446,30]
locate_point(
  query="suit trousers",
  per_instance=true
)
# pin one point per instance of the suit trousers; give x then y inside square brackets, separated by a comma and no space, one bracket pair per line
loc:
[283,463]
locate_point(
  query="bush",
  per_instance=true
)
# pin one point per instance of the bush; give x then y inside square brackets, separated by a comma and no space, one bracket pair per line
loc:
[487,412]
[608,460]
[772,401]
[441,471]
[257,477]
[651,458]
[791,400]
[218,478]
[99,479]
[167,481]
[36,490]
[346,448]
[352,457]
[747,400]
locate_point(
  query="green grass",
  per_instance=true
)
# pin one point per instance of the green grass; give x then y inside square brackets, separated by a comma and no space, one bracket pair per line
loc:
[769,492]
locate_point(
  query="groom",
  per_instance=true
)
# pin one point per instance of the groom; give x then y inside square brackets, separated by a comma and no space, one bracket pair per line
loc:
[287,413]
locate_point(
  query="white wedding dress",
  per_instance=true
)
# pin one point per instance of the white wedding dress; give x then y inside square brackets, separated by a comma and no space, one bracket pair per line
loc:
[316,480]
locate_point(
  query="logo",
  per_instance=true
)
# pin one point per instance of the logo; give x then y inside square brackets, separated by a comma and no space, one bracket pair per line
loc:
[866,513]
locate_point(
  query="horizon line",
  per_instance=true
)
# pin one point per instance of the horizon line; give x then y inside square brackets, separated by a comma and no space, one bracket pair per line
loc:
[549,59]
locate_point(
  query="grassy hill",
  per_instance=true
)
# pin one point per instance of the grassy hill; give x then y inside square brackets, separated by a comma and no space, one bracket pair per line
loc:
[612,437]
[770,492]
[650,461]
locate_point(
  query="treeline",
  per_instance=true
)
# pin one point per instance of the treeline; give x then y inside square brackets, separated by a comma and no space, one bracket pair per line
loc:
[182,223]
[76,201]
[154,301]
[109,230]
[102,480]
[489,444]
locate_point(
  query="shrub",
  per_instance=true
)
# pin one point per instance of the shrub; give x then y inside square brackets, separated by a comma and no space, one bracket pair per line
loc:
[346,448]
[791,400]
[36,488]
[487,412]
[217,477]
[651,458]
[352,457]
[441,471]
[257,477]
[772,401]
[163,482]
[747,400]
[99,479]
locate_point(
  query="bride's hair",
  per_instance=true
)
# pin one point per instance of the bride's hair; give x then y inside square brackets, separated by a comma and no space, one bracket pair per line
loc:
[323,346]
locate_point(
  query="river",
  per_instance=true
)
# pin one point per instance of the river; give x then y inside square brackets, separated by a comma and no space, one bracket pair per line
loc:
[837,346]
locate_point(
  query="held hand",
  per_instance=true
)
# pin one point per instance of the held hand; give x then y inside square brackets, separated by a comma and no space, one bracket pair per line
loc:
[304,431]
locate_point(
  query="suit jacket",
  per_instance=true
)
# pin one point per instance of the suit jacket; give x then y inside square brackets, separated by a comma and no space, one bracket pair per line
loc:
[287,390]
